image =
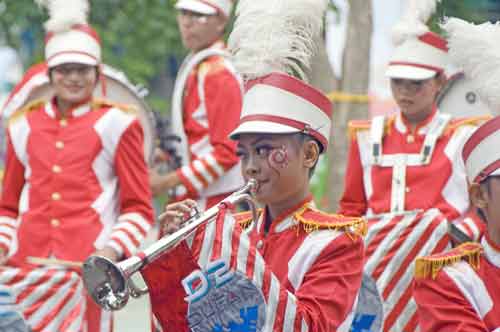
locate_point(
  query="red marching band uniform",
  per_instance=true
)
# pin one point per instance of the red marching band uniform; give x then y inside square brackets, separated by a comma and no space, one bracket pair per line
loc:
[206,107]
[410,184]
[309,284]
[72,185]
[304,273]
[460,290]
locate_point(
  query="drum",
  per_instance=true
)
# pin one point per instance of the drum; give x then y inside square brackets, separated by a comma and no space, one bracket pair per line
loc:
[460,99]
[117,89]
[11,319]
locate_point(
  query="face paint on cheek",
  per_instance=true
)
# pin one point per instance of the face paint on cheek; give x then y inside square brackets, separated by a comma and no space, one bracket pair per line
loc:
[278,158]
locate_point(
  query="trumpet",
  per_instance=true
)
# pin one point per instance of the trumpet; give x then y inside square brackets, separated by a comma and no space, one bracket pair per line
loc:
[110,284]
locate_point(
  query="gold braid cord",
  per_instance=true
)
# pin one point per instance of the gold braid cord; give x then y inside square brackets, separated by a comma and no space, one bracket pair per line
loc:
[311,220]
[32,106]
[430,266]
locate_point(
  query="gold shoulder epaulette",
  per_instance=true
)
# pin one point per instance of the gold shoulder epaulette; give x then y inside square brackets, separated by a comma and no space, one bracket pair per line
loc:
[312,220]
[127,108]
[429,266]
[211,66]
[244,219]
[470,121]
[30,107]
[355,126]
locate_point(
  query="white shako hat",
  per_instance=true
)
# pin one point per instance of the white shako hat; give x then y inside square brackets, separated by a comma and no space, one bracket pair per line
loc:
[481,154]
[69,39]
[475,50]
[419,53]
[281,104]
[206,7]
[270,42]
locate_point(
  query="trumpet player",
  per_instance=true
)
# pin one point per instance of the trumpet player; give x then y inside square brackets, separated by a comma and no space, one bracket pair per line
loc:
[313,260]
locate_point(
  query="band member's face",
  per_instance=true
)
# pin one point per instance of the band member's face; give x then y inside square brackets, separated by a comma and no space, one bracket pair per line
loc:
[73,83]
[487,198]
[416,98]
[199,31]
[277,163]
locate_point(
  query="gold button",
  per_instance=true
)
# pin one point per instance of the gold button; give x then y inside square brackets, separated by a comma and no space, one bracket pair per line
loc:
[56,196]
[59,145]
[410,139]
[63,122]
[407,189]
[55,222]
[56,169]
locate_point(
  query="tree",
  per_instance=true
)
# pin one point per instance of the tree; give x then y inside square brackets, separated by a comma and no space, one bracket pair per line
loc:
[138,36]
[355,80]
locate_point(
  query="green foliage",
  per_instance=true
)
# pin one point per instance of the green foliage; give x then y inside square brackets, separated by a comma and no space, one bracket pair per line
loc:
[138,36]
[476,11]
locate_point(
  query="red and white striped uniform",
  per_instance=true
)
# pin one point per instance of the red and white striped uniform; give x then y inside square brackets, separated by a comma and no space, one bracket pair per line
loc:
[309,279]
[74,185]
[392,245]
[296,270]
[211,106]
[368,186]
[463,297]
[48,299]
[410,206]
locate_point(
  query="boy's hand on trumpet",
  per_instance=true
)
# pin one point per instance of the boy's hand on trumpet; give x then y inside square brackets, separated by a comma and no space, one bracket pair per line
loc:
[175,215]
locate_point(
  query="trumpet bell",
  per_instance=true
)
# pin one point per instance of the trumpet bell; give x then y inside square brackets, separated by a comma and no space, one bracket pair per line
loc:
[105,282]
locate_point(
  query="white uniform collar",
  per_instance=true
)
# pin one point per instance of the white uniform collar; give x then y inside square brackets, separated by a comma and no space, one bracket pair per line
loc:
[401,126]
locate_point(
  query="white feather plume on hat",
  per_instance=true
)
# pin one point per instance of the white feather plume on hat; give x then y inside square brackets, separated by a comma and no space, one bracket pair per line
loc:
[275,36]
[64,13]
[475,50]
[413,23]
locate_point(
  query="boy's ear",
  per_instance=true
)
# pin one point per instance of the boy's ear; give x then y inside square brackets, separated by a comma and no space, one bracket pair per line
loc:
[311,153]
[478,195]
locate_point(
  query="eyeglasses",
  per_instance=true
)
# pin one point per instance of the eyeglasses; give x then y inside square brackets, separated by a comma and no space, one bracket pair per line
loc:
[193,16]
[67,69]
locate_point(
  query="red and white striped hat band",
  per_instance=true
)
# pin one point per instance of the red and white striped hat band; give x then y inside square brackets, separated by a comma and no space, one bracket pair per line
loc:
[81,44]
[207,7]
[481,154]
[281,104]
[419,58]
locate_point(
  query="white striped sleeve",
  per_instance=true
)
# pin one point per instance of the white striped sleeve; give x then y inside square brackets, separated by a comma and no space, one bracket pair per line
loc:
[8,229]
[129,233]
[202,172]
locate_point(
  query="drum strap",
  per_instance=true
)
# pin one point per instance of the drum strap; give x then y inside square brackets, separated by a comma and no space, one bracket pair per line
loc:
[186,68]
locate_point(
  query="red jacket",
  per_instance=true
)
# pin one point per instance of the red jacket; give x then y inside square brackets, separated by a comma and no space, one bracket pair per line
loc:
[74,185]
[464,296]
[210,112]
[317,261]
[439,184]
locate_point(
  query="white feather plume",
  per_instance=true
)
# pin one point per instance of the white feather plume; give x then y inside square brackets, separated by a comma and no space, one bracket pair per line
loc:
[414,21]
[276,35]
[475,49]
[65,13]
